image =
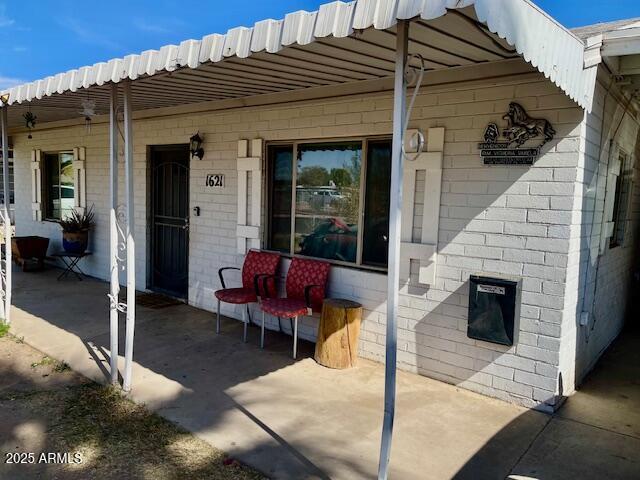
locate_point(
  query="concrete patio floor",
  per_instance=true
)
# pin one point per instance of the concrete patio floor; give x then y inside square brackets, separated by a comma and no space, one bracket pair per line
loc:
[596,433]
[290,419]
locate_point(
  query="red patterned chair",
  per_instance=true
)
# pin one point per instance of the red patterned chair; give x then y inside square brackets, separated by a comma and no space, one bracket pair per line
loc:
[256,265]
[305,284]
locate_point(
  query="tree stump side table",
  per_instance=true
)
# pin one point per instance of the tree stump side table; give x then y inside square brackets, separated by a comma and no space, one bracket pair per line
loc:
[337,343]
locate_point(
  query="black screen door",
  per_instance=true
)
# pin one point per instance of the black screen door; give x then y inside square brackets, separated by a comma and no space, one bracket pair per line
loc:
[170,219]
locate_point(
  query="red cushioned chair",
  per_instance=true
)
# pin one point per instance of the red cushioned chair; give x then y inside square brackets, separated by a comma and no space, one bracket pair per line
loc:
[256,265]
[305,284]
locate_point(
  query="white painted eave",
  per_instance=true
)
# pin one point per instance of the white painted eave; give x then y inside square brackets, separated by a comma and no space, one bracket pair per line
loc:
[621,42]
[620,51]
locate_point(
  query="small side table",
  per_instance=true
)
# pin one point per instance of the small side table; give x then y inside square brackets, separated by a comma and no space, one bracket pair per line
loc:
[70,261]
[337,342]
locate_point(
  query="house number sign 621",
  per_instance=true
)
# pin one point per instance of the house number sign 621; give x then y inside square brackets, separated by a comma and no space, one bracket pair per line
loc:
[215,180]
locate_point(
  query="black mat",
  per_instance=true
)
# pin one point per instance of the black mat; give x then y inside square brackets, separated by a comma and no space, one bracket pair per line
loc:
[156,301]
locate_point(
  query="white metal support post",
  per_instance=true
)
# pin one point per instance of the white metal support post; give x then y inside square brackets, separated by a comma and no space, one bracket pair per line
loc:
[395,217]
[113,232]
[131,253]
[6,217]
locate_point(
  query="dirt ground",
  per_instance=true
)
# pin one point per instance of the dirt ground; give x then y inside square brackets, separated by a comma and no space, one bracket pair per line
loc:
[55,424]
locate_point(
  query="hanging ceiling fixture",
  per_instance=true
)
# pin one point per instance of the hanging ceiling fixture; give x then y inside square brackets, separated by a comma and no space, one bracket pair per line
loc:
[88,111]
[30,122]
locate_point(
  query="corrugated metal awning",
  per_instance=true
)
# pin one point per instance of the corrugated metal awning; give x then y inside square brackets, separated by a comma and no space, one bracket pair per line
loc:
[339,43]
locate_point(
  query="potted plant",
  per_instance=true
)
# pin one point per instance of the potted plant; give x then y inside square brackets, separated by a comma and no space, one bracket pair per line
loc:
[75,230]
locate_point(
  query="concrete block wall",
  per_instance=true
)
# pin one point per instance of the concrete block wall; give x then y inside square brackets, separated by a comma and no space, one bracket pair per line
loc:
[507,220]
[97,190]
[511,220]
[598,279]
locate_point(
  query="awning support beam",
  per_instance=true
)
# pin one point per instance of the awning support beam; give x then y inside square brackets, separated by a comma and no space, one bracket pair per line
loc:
[395,218]
[6,218]
[114,232]
[131,254]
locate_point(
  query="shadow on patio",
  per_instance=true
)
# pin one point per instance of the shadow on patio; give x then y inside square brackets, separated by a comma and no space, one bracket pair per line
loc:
[289,419]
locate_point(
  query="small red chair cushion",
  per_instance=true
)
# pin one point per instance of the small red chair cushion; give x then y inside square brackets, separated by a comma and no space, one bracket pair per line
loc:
[284,307]
[236,295]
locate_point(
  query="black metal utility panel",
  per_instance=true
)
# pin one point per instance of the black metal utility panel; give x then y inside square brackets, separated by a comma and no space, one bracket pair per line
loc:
[494,309]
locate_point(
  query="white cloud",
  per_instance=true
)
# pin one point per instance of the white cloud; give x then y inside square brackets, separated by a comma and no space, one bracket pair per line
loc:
[145,26]
[9,82]
[87,34]
[158,26]
[5,21]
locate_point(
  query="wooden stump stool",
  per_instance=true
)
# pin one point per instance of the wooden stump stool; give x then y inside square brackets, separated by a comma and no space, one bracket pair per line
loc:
[337,343]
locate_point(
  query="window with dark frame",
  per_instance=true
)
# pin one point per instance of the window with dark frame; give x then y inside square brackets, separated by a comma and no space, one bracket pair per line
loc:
[11,182]
[621,202]
[332,202]
[58,185]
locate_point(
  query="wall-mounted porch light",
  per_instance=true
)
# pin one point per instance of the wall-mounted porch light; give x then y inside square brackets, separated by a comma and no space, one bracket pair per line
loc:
[195,146]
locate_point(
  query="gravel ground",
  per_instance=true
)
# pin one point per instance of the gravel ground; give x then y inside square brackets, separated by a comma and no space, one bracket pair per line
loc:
[77,429]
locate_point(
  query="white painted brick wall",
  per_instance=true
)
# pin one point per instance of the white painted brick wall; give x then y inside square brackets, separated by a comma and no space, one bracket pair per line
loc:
[597,282]
[493,219]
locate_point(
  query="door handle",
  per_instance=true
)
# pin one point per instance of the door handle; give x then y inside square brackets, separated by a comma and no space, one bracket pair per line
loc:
[185,226]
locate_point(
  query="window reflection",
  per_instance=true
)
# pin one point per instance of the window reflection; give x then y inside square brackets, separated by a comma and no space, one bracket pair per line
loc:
[59,187]
[375,242]
[328,200]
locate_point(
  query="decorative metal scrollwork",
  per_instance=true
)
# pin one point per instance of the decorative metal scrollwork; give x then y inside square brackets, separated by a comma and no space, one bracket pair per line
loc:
[114,302]
[121,225]
[120,256]
[3,280]
[5,219]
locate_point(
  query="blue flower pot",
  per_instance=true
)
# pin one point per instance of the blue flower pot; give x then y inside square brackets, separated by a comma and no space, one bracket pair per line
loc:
[75,242]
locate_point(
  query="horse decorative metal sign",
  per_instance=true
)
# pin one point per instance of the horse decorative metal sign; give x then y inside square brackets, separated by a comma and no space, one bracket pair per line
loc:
[511,149]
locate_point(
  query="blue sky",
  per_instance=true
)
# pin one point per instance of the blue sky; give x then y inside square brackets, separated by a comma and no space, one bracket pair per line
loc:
[42,37]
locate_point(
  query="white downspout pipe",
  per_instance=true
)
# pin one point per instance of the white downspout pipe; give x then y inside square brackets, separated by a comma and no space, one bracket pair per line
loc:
[5,212]
[395,218]
[114,291]
[131,253]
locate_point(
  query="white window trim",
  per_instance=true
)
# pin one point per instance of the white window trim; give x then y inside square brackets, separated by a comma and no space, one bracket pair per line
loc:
[426,250]
[79,179]
[248,234]
[36,185]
